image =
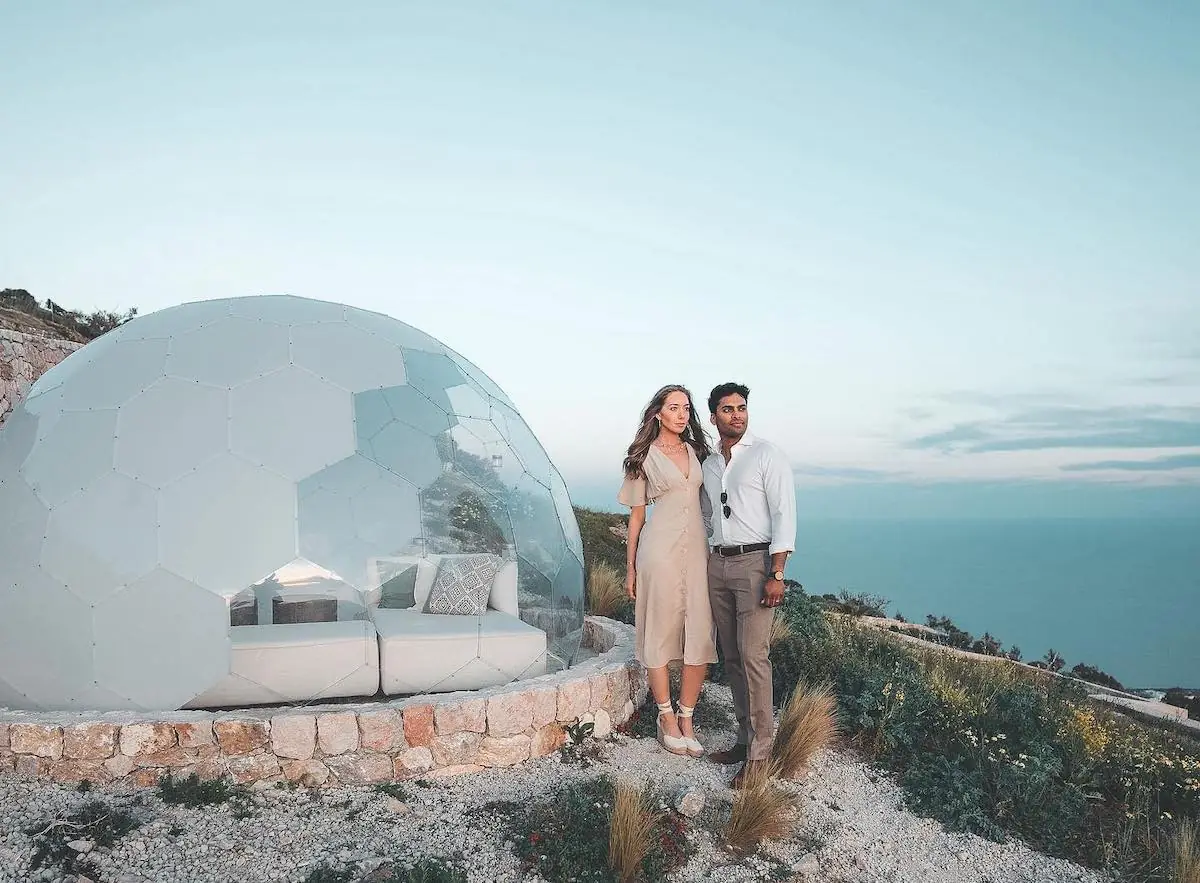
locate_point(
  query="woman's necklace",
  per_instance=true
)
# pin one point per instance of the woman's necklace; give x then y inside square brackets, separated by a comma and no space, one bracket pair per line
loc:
[672,449]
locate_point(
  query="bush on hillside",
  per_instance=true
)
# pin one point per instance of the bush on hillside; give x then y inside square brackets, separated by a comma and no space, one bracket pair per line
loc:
[996,749]
[1085,672]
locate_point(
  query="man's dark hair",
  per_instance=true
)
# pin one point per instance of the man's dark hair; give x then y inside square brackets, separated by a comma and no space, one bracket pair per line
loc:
[726,389]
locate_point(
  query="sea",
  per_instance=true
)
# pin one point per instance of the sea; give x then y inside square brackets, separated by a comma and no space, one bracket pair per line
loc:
[1122,595]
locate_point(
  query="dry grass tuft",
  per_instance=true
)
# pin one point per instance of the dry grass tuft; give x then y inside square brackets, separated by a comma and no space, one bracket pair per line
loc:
[630,832]
[781,629]
[807,724]
[606,591]
[1185,849]
[760,812]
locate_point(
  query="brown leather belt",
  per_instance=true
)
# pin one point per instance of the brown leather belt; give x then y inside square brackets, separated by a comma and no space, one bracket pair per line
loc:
[730,551]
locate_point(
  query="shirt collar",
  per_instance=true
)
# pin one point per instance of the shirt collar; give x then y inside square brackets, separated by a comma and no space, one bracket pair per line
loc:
[747,439]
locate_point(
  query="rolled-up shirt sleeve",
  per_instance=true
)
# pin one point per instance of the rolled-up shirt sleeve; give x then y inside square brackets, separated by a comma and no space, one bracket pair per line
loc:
[780,487]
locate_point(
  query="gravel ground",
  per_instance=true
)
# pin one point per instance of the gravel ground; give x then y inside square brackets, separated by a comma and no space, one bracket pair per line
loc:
[852,828]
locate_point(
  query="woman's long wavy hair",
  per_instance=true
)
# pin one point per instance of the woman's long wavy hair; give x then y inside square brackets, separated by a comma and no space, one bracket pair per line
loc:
[693,434]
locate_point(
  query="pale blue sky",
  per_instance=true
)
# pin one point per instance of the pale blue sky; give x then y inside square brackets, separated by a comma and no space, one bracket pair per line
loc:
[951,242]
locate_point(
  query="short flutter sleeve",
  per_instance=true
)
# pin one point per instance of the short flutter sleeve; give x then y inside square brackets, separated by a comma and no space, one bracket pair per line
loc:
[633,492]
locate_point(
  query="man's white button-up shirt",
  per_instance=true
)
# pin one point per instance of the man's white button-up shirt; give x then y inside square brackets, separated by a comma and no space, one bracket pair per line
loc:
[761,496]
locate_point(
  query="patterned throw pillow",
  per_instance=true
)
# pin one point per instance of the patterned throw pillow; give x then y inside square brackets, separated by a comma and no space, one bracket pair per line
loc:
[462,585]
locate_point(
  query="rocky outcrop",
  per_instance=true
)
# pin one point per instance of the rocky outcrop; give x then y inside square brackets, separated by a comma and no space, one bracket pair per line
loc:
[24,357]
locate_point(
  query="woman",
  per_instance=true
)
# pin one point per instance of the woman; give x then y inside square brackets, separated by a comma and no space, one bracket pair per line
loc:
[667,574]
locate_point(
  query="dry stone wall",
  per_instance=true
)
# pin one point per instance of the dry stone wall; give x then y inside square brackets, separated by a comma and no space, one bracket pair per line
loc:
[23,359]
[320,746]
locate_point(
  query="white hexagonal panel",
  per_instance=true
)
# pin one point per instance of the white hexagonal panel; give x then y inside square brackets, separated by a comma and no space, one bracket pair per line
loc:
[292,422]
[175,321]
[72,364]
[186,652]
[227,524]
[45,642]
[170,429]
[392,331]
[18,503]
[75,451]
[17,440]
[354,359]
[119,373]
[249,348]
[102,538]
[192,453]
[285,310]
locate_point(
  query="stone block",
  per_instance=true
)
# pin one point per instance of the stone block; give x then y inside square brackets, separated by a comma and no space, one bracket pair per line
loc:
[547,740]
[361,769]
[509,713]
[146,738]
[462,717]
[456,770]
[574,697]
[7,762]
[381,731]
[247,768]
[503,751]
[119,766]
[627,711]
[36,739]
[618,689]
[27,766]
[241,736]
[294,736]
[3,735]
[66,770]
[309,773]
[455,748]
[175,758]
[337,732]
[419,725]
[599,685]
[90,741]
[412,762]
[205,770]
[195,735]
[545,706]
[601,724]
[146,778]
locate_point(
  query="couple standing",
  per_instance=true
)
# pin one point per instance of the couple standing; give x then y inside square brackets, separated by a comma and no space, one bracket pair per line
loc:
[709,563]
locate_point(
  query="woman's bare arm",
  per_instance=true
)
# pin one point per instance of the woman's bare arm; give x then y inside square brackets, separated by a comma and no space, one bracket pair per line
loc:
[637,518]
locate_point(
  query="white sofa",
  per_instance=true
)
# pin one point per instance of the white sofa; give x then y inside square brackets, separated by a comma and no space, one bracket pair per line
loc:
[435,653]
[401,651]
[298,662]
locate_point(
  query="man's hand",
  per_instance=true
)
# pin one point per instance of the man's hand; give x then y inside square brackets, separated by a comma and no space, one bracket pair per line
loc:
[631,586]
[773,593]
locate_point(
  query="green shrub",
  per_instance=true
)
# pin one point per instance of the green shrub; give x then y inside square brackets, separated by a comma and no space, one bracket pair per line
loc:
[567,837]
[95,820]
[999,750]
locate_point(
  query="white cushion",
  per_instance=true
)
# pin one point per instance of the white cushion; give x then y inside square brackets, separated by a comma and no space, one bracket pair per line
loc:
[504,590]
[432,653]
[297,663]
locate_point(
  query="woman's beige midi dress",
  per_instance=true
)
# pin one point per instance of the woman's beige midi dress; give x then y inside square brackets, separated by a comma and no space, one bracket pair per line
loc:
[674,620]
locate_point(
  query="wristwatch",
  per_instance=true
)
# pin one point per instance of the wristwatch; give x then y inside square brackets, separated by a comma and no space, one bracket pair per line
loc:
[778,574]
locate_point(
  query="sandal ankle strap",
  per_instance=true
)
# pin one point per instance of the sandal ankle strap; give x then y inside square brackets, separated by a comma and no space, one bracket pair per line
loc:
[665,707]
[686,710]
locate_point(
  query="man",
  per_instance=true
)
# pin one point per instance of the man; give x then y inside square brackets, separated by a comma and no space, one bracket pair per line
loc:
[749,485]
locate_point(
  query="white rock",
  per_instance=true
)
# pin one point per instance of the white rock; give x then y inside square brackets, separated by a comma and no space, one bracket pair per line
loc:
[689,801]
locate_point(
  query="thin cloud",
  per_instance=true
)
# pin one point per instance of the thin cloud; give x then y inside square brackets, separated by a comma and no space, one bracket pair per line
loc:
[848,473]
[1048,428]
[1159,464]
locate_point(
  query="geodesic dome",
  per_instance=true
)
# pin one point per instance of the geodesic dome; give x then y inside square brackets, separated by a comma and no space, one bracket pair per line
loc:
[160,479]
